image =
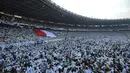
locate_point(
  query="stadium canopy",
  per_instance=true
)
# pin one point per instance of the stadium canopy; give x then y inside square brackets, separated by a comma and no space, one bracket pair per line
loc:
[49,11]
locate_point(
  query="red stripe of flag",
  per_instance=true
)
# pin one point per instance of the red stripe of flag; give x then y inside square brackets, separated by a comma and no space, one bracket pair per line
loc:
[39,32]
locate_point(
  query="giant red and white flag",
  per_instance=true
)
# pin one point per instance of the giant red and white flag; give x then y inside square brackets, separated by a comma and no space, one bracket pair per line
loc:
[44,33]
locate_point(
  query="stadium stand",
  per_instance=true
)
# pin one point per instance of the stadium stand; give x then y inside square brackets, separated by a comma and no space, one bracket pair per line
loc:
[77,52]
[81,45]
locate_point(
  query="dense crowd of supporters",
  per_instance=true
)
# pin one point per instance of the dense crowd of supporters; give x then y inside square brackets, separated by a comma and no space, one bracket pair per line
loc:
[28,22]
[21,51]
[93,52]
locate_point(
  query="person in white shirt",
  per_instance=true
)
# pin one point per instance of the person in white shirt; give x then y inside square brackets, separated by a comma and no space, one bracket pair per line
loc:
[18,69]
[124,70]
[55,68]
[38,70]
[65,70]
[88,70]
[28,69]
[112,70]
[48,70]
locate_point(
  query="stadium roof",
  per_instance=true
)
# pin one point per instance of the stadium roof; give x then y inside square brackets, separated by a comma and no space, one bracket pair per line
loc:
[48,11]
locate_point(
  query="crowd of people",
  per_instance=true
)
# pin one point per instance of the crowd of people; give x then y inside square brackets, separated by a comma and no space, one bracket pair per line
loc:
[90,53]
[21,51]
[22,21]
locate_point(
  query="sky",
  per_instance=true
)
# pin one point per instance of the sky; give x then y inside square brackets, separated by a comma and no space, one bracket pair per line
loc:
[102,9]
